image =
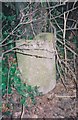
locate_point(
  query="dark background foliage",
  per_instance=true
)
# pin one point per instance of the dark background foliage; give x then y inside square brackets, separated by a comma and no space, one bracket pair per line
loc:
[11,17]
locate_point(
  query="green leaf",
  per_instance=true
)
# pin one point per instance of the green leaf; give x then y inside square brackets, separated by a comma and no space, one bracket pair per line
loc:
[7,113]
[3,86]
[29,88]
[4,79]
[3,92]
[23,100]
[0,87]
[31,38]
[12,70]
[9,90]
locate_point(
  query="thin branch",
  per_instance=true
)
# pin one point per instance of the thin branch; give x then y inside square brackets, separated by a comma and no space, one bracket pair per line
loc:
[62,79]
[22,49]
[67,47]
[22,112]
[54,18]
[64,34]
[53,7]
[37,56]
[64,13]
[10,33]
[63,96]
[22,23]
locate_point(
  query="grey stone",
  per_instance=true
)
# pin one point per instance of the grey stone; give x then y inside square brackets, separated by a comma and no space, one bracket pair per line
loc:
[36,61]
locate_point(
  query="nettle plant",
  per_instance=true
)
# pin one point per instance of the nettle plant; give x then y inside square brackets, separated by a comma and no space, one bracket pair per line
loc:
[11,76]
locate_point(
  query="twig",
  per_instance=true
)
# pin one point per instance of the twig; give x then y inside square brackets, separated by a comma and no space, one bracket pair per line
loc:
[64,13]
[62,79]
[59,61]
[73,74]
[37,56]
[54,19]
[25,8]
[63,96]
[69,19]
[74,63]
[66,66]
[74,3]
[22,23]
[64,33]
[53,7]
[67,47]
[11,50]
[22,112]
[31,18]
[21,49]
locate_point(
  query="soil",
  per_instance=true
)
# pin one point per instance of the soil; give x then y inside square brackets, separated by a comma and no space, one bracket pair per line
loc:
[58,103]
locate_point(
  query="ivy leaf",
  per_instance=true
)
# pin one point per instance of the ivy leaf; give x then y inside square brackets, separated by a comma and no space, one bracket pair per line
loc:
[22,101]
[0,87]
[9,90]
[12,70]
[29,88]
[4,79]
[3,86]
[31,38]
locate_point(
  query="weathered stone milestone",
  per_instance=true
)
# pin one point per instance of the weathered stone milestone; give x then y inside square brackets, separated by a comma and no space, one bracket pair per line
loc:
[36,61]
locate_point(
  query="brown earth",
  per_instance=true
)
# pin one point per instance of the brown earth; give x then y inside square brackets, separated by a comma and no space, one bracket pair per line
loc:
[58,103]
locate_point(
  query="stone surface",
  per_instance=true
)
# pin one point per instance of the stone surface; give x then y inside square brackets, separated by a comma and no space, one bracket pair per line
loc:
[36,61]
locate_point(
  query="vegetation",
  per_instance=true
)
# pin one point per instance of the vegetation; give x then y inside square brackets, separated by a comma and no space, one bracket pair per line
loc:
[18,23]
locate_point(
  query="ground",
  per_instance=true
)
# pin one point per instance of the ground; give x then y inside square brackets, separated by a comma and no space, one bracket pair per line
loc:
[58,103]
